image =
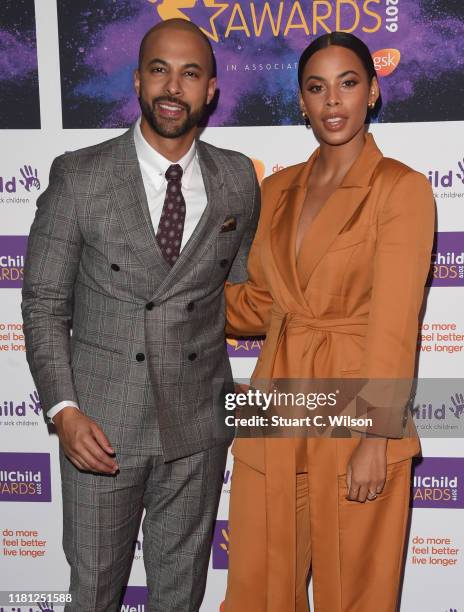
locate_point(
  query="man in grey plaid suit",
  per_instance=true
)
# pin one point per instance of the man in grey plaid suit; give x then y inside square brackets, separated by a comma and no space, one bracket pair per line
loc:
[130,246]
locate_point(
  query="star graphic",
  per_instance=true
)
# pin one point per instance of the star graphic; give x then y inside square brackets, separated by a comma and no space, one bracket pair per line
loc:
[202,12]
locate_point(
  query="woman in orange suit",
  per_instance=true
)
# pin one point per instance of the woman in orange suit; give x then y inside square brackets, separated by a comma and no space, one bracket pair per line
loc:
[336,281]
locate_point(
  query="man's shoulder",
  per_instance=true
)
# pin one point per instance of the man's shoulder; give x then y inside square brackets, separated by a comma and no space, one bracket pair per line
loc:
[225,157]
[97,156]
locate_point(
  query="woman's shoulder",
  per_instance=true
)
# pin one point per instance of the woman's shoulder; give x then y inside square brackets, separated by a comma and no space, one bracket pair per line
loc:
[392,171]
[400,190]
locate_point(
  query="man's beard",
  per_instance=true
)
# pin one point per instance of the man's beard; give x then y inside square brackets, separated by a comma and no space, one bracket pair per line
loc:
[165,127]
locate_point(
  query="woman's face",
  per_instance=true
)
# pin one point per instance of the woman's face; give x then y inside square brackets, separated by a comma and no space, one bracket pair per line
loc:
[335,94]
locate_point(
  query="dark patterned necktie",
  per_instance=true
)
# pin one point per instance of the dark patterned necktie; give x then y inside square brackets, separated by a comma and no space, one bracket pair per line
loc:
[171,225]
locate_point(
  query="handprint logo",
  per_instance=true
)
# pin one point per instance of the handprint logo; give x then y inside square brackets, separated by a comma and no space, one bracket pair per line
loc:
[458,406]
[460,175]
[44,607]
[452,610]
[225,545]
[35,402]
[30,178]
[221,545]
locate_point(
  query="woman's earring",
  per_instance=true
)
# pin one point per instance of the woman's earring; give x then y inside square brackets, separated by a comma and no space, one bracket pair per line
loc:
[306,119]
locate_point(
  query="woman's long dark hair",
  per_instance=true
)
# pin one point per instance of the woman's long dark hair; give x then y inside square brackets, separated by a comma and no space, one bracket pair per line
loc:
[349,41]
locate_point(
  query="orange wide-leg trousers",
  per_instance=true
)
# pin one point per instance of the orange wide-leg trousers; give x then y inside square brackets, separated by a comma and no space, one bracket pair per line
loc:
[368,558]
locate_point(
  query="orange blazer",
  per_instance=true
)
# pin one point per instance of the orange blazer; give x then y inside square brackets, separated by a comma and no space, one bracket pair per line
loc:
[349,305]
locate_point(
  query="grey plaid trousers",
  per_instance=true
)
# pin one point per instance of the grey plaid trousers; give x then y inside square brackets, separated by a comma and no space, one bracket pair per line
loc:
[101,519]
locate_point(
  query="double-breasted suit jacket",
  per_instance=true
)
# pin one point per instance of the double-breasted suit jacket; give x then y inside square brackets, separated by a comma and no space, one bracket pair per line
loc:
[348,306]
[147,339]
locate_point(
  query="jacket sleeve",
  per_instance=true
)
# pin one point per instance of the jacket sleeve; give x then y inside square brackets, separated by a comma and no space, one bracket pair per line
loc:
[249,303]
[405,235]
[401,266]
[51,266]
[238,271]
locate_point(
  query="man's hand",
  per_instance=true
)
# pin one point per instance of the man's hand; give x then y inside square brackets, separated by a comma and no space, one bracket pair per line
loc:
[84,442]
[367,470]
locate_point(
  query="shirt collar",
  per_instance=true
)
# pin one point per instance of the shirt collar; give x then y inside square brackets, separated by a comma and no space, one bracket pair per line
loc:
[158,164]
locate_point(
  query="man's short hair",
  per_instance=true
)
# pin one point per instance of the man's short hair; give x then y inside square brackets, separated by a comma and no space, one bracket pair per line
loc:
[178,24]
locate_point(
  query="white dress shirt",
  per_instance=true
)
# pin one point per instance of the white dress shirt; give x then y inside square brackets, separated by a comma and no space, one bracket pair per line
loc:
[153,167]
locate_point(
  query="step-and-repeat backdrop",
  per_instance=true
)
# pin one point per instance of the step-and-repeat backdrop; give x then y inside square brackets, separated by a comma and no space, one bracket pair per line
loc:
[66,82]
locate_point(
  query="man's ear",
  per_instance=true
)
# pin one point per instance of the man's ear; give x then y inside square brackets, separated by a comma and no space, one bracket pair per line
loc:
[137,82]
[212,84]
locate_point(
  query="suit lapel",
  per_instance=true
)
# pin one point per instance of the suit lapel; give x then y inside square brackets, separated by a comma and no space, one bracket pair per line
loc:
[283,234]
[338,210]
[132,204]
[215,212]
[284,227]
[326,226]
[134,213]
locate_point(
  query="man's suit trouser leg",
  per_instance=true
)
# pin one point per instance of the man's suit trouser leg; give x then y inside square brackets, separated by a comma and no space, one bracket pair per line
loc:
[101,518]
[181,501]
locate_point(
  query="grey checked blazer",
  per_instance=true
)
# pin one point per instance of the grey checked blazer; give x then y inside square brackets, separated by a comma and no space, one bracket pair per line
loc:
[147,343]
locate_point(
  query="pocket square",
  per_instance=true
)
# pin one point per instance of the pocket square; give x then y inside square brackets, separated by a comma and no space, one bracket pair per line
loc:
[229,225]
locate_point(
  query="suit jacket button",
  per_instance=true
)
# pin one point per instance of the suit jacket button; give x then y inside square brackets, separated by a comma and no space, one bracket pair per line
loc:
[140,357]
[190,306]
[149,306]
[223,263]
[192,356]
[115,267]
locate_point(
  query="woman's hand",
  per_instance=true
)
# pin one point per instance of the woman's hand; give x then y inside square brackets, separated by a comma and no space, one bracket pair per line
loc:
[367,470]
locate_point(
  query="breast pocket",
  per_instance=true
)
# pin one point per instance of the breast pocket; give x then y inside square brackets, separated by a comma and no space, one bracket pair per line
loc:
[217,260]
[231,230]
[347,258]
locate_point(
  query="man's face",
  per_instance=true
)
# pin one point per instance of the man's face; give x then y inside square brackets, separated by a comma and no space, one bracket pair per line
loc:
[174,82]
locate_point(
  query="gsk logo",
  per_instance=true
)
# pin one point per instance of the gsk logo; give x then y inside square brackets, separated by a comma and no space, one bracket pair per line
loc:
[27,177]
[386,61]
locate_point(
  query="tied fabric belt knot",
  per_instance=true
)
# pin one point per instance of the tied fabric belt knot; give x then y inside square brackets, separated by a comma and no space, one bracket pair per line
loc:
[350,325]
[291,320]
